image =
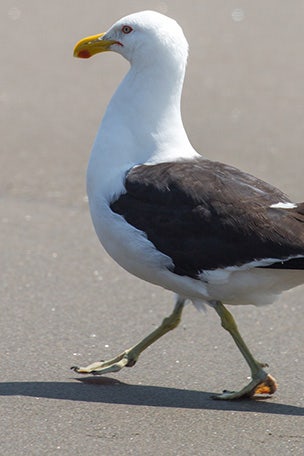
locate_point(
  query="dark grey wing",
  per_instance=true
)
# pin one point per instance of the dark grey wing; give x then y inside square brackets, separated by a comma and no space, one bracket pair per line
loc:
[206,215]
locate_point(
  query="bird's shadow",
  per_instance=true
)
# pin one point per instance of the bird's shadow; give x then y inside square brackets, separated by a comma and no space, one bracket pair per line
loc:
[111,391]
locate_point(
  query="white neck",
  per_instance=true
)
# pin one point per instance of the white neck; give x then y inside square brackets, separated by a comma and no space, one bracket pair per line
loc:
[142,124]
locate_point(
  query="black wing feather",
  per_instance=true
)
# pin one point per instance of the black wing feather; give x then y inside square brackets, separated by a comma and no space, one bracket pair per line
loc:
[206,215]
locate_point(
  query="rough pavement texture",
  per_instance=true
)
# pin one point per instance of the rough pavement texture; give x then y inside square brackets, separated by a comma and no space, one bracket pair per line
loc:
[64,302]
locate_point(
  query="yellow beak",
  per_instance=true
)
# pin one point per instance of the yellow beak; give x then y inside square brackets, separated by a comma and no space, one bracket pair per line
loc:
[91,45]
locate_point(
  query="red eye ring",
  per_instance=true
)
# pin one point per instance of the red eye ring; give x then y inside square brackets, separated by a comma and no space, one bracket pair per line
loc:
[126,29]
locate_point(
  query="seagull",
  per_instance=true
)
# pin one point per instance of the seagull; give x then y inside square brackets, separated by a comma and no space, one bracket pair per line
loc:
[212,234]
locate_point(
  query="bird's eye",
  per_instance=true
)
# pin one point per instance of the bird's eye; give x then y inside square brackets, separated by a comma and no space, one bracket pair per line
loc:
[126,29]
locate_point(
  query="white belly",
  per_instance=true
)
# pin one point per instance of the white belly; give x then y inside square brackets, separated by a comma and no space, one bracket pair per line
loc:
[131,249]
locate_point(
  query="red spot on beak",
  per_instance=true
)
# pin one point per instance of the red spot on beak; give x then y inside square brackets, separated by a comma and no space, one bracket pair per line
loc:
[85,54]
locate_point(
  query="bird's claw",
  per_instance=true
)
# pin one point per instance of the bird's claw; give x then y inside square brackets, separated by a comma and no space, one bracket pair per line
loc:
[260,386]
[125,359]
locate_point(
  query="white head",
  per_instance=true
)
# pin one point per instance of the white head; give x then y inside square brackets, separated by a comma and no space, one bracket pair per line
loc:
[142,122]
[141,38]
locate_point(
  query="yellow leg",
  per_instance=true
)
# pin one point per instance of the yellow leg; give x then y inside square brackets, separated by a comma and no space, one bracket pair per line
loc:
[129,357]
[261,383]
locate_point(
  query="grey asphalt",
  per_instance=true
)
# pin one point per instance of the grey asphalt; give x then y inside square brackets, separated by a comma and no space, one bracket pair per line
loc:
[64,301]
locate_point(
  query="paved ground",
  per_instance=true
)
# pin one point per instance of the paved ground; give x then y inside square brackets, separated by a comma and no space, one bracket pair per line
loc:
[63,301]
